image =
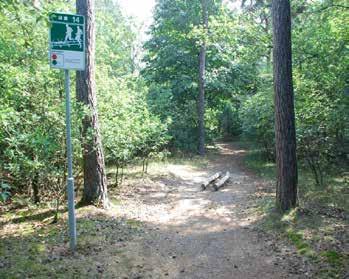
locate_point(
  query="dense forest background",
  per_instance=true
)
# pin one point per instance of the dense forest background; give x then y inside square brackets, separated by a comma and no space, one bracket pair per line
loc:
[147,91]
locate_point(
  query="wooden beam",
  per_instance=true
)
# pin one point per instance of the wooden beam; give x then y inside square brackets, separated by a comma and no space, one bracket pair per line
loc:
[211,179]
[220,183]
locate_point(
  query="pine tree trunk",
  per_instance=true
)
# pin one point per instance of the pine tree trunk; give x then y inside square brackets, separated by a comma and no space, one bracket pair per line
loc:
[285,134]
[95,181]
[201,98]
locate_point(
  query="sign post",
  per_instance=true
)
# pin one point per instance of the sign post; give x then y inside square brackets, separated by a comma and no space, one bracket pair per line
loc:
[70,181]
[67,51]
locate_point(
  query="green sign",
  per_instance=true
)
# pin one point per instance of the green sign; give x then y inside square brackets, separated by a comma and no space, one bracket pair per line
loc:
[67,41]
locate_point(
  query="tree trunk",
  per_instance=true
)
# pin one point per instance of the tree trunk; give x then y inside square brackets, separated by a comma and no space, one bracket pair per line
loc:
[117,176]
[201,98]
[95,180]
[122,175]
[35,186]
[285,134]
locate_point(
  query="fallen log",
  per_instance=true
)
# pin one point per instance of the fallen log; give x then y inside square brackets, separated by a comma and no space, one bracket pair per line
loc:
[219,183]
[211,179]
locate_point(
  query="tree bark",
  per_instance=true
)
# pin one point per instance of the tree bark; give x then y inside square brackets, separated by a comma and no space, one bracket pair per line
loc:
[285,133]
[95,180]
[201,97]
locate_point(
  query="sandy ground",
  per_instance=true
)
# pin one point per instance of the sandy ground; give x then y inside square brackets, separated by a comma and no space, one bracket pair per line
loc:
[190,233]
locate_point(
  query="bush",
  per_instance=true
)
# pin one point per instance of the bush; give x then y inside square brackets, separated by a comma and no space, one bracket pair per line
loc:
[230,123]
[5,191]
[257,117]
[180,116]
[129,130]
[321,132]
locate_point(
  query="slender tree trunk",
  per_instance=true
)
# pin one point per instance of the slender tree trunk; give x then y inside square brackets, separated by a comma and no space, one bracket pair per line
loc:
[201,98]
[122,175]
[285,133]
[35,186]
[117,176]
[95,180]
[266,29]
[143,166]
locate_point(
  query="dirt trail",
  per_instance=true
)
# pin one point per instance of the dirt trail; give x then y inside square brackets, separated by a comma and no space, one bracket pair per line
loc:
[191,233]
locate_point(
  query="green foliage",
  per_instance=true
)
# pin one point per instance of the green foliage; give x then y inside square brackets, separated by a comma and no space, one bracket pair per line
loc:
[181,119]
[320,84]
[257,116]
[115,40]
[32,127]
[5,191]
[230,122]
[172,67]
[128,129]
[32,104]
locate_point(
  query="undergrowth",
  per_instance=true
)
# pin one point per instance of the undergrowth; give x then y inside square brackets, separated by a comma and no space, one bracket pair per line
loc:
[31,246]
[318,227]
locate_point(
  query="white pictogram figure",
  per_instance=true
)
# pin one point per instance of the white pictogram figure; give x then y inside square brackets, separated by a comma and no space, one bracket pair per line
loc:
[78,36]
[68,33]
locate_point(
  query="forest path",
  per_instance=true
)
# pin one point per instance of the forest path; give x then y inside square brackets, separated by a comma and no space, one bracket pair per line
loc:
[191,233]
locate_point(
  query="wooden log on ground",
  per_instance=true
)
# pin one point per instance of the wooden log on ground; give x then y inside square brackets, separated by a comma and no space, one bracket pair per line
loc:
[211,179]
[220,183]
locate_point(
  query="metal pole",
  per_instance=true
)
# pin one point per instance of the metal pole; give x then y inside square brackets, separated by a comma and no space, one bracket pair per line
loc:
[70,180]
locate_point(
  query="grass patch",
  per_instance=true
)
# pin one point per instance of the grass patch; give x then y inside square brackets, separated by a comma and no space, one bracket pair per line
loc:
[34,248]
[303,247]
[333,257]
[319,227]
[255,161]
[312,236]
[134,223]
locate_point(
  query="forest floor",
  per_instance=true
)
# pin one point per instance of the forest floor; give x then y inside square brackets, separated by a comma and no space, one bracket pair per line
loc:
[162,225]
[205,234]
